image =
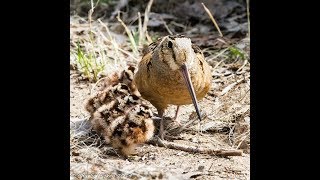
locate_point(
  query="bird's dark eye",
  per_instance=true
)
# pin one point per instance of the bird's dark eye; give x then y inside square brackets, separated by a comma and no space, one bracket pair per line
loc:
[170,44]
[123,86]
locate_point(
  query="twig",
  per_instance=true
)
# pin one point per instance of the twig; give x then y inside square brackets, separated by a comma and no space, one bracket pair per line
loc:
[246,135]
[157,142]
[90,14]
[141,36]
[218,64]
[116,47]
[95,85]
[148,37]
[119,6]
[231,132]
[243,65]
[179,25]
[114,43]
[220,53]
[244,95]
[134,46]
[182,128]
[166,26]
[212,19]
[227,89]
[146,19]
[230,86]
[248,15]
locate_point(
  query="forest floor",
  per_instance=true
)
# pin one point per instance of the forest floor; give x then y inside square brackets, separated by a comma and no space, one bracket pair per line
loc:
[105,43]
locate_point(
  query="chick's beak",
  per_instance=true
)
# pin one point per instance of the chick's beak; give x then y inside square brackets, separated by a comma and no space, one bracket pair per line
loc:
[187,80]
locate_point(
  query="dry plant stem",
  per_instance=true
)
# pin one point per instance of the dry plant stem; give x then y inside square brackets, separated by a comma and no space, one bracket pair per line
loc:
[244,64]
[218,64]
[134,47]
[247,134]
[248,15]
[125,52]
[148,37]
[178,25]
[230,86]
[141,34]
[185,126]
[244,95]
[171,145]
[221,40]
[114,43]
[220,53]
[90,15]
[146,19]
[95,85]
[212,19]
[166,26]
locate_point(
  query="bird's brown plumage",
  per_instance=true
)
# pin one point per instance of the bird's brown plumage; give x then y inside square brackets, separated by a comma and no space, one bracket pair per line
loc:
[159,78]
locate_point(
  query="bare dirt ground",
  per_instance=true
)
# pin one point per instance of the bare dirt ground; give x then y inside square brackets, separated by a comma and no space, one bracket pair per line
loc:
[231,110]
[226,126]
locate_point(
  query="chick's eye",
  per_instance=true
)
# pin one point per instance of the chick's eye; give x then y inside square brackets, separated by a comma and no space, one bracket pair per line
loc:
[170,44]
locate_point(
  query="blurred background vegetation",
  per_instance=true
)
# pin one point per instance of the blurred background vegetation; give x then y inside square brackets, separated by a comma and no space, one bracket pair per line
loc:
[109,31]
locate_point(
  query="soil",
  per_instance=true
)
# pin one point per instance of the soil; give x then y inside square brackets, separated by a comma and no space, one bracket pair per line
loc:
[231,110]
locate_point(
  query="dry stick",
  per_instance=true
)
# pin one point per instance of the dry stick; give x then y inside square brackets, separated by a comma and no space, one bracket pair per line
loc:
[220,53]
[141,36]
[242,140]
[243,65]
[218,64]
[91,31]
[157,142]
[186,125]
[114,43]
[178,24]
[135,49]
[119,6]
[248,15]
[166,26]
[125,52]
[146,19]
[244,95]
[90,15]
[212,19]
[183,127]
[230,86]
[95,85]
[148,37]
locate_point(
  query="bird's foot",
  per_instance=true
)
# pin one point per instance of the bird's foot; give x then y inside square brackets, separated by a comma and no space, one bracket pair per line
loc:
[167,137]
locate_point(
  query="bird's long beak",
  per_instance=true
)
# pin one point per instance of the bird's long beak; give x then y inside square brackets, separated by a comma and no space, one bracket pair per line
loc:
[187,79]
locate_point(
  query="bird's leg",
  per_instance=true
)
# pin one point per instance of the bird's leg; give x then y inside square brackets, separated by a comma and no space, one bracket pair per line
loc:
[176,115]
[161,130]
[162,133]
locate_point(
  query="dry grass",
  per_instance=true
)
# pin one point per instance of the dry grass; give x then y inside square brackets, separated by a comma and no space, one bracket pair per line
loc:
[212,19]
[99,52]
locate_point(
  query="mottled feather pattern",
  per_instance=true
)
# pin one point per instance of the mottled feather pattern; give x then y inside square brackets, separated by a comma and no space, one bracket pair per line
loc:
[119,114]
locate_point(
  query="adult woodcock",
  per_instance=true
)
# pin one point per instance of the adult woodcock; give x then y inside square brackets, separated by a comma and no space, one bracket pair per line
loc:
[173,71]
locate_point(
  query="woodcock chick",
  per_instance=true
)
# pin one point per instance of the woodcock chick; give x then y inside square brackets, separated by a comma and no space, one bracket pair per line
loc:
[173,71]
[119,115]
